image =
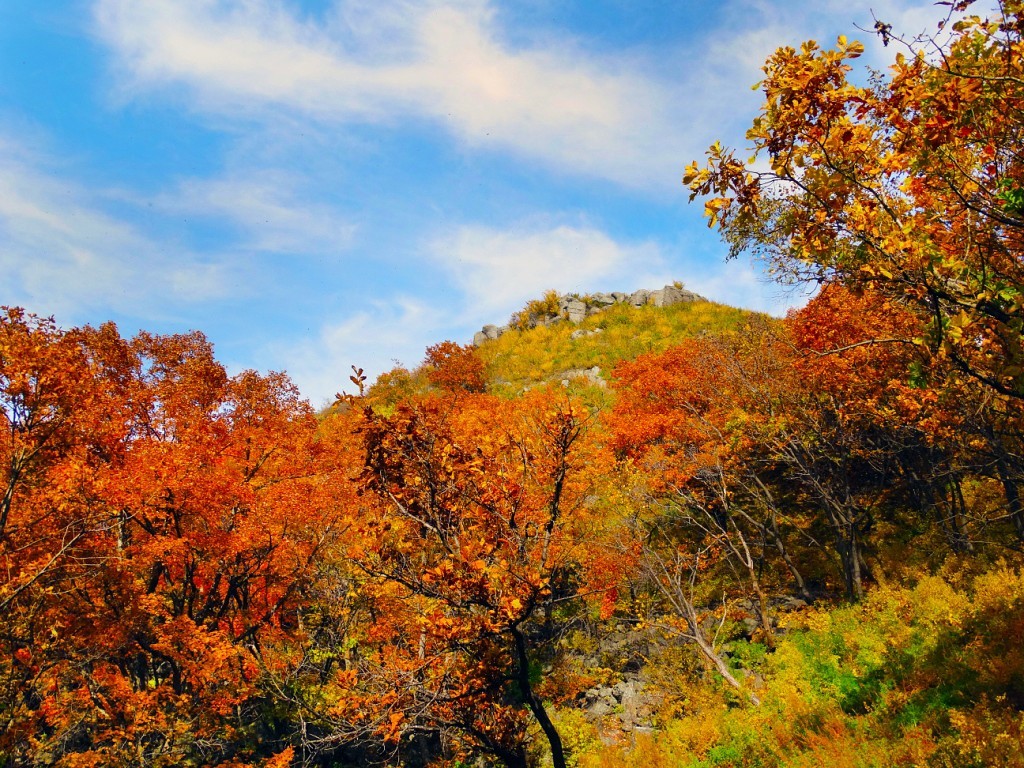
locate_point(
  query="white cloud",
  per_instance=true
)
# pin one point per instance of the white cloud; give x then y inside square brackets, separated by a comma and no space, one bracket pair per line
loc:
[374,338]
[622,118]
[740,284]
[267,212]
[434,60]
[62,254]
[498,270]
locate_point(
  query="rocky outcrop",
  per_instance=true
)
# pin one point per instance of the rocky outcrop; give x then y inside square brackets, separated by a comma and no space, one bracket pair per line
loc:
[575,309]
[626,702]
[592,375]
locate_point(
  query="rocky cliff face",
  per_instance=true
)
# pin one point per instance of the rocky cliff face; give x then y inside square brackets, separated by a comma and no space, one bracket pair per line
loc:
[576,308]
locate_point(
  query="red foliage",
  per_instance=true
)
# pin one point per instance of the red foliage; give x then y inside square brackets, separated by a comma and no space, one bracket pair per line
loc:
[454,367]
[158,518]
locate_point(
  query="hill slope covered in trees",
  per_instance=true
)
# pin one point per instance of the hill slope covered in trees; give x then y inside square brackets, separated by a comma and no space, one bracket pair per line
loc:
[746,542]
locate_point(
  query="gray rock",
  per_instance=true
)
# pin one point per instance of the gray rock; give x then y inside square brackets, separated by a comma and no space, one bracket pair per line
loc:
[790,603]
[601,708]
[672,295]
[639,298]
[576,310]
[479,338]
[619,296]
[491,331]
[628,701]
[592,375]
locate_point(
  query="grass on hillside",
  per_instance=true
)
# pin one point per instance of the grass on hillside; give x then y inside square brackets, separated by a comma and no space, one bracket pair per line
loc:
[928,675]
[519,359]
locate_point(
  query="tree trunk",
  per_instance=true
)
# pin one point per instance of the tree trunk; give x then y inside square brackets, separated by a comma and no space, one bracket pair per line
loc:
[849,552]
[536,706]
[1013,501]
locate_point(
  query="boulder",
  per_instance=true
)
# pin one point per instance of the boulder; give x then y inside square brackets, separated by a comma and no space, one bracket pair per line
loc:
[534,320]
[673,295]
[576,310]
[592,375]
[639,298]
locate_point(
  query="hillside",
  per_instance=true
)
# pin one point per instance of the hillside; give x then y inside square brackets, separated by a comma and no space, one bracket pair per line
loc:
[582,353]
[522,358]
[610,534]
[747,629]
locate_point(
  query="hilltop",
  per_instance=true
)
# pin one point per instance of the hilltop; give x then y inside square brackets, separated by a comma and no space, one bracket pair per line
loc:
[614,535]
[578,340]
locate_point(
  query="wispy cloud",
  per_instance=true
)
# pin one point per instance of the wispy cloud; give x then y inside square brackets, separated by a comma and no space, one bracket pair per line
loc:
[376,338]
[497,270]
[626,119]
[63,254]
[492,272]
[740,284]
[444,62]
[266,212]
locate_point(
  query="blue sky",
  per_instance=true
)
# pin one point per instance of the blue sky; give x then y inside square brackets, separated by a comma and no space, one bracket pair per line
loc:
[320,183]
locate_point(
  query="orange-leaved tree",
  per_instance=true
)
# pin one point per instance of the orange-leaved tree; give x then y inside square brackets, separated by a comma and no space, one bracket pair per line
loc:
[476,521]
[808,431]
[160,517]
[455,367]
[912,183]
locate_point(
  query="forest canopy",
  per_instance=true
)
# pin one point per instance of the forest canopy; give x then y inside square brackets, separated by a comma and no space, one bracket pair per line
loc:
[783,542]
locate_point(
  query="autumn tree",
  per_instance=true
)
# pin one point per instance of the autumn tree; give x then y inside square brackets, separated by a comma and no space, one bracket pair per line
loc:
[455,367]
[908,186]
[159,522]
[806,431]
[58,432]
[911,184]
[478,522]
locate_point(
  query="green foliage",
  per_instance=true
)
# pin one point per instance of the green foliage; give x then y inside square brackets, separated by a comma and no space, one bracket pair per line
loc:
[922,675]
[1011,197]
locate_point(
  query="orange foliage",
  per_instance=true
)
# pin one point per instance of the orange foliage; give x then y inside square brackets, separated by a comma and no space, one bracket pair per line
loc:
[480,513]
[151,540]
[454,367]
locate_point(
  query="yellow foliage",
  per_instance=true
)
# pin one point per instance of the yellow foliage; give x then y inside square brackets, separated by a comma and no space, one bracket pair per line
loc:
[528,357]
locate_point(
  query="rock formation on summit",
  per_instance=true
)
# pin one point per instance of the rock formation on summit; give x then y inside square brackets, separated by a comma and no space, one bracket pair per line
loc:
[575,308]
